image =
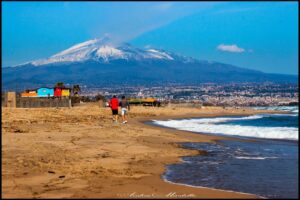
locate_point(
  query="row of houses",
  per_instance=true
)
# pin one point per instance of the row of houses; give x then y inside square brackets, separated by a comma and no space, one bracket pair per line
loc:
[47,92]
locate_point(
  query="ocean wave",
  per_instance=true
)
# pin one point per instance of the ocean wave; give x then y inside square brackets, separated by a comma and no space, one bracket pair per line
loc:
[222,119]
[270,115]
[209,125]
[294,109]
[254,158]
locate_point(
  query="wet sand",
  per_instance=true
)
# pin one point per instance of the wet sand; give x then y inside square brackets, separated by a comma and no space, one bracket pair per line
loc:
[79,153]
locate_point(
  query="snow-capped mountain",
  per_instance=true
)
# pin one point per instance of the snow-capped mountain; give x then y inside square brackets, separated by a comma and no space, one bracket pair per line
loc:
[99,62]
[102,50]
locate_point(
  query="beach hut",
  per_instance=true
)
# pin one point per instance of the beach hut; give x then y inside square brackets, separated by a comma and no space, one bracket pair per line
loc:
[29,93]
[45,92]
[57,92]
[65,92]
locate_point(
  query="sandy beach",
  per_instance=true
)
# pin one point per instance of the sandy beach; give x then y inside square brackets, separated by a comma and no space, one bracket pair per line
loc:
[79,153]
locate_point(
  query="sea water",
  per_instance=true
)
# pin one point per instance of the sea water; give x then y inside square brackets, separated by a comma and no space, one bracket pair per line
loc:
[267,167]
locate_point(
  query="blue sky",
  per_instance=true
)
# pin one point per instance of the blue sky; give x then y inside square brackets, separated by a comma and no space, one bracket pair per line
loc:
[256,35]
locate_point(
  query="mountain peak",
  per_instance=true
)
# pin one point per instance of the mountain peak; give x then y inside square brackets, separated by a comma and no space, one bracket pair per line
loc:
[79,52]
[103,50]
[95,43]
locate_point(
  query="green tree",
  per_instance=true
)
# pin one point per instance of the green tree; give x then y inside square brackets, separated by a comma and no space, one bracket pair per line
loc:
[76,90]
[60,85]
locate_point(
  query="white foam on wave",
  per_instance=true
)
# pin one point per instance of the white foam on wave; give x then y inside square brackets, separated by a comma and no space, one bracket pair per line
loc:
[254,158]
[209,125]
[292,115]
[294,109]
[221,119]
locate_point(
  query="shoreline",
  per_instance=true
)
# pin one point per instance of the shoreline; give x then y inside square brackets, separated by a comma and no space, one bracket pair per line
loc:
[133,157]
[212,139]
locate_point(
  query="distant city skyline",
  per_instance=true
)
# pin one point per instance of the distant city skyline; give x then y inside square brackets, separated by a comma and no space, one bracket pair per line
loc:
[256,35]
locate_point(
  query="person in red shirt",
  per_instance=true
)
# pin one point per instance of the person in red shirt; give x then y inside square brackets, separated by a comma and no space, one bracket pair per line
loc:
[114,105]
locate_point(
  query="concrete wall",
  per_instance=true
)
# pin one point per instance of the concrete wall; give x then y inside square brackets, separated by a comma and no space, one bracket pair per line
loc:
[3,101]
[9,99]
[35,102]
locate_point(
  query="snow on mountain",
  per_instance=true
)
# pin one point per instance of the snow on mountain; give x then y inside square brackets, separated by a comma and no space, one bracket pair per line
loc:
[78,47]
[102,50]
[107,52]
[160,55]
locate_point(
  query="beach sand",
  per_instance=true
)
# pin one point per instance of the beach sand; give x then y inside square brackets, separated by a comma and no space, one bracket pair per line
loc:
[79,153]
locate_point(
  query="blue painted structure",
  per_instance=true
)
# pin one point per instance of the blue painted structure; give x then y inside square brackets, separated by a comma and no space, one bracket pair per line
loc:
[45,92]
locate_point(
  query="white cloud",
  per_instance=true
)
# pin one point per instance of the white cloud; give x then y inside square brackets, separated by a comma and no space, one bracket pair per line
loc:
[230,48]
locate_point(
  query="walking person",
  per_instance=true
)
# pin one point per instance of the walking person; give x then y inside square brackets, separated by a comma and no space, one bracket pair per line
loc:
[124,109]
[114,105]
